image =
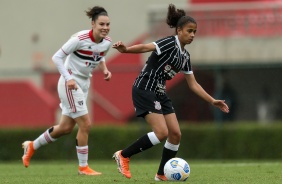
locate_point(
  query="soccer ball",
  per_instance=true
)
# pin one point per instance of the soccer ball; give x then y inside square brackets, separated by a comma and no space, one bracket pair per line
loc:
[177,169]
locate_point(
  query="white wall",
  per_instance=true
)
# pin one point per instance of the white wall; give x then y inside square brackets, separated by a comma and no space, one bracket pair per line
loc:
[56,20]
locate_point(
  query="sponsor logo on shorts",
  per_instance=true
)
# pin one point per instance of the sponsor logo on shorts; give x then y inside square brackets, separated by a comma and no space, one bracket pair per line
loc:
[157,105]
[80,102]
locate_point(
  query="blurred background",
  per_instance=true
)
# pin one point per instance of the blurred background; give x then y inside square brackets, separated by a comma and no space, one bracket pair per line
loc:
[236,56]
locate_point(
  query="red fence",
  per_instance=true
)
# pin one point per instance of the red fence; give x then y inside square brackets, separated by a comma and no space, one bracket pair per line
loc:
[243,19]
[228,1]
[238,20]
[25,105]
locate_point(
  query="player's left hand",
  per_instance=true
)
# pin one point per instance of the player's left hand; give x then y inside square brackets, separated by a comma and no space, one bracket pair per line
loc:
[108,75]
[221,105]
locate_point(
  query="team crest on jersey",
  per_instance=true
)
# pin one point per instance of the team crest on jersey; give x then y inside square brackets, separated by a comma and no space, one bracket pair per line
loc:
[167,68]
[96,56]
[157,105]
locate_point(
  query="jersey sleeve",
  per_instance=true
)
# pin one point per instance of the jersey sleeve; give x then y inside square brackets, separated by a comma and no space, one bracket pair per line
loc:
[164,45]
[71,45]
[58,58]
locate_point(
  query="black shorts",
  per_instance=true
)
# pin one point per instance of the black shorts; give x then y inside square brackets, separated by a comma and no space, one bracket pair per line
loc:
[146,102]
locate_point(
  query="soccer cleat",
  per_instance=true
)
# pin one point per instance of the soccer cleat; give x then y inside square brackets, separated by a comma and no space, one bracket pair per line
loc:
[122,163]
[87,171]
[28,152]
[160,178]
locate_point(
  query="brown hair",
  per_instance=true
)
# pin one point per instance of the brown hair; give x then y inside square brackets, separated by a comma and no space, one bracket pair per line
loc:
[95,12]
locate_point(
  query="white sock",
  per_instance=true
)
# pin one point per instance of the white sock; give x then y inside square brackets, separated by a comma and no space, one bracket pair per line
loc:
[82,155]
[170,146]
[43,139]
[153,138]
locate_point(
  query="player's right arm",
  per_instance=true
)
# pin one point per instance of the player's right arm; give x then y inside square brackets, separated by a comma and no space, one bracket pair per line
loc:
[59,57]
[139,48]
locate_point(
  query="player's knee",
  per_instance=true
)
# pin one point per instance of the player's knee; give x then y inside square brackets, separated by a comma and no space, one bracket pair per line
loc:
[175,136]
[85,127]
[162,135]
[67,130]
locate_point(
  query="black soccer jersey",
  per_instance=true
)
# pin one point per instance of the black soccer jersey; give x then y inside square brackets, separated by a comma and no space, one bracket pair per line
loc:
[163,64]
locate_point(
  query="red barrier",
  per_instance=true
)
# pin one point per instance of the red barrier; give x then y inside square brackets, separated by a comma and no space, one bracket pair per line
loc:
[227,1]
[25,105]
[235,18]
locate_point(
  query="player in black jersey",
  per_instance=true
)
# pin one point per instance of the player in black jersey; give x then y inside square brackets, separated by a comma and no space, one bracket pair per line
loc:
[168,58]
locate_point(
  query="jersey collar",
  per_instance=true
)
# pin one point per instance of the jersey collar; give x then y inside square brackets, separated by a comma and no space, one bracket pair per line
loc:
[178,43]
[91,35]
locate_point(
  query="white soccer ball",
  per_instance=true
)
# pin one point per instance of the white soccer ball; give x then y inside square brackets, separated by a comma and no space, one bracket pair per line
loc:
[177,169]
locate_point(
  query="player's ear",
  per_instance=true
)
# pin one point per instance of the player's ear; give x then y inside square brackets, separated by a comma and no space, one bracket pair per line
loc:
[179,30]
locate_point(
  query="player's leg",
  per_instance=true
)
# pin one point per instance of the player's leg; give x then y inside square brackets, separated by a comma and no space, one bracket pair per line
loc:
[159,133]
[84,125]
[65,126]
[146,105]
[76,101]
[171,145]
[174,135]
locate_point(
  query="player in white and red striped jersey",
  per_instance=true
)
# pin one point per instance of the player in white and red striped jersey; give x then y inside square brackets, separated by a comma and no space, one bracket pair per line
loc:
[76,60]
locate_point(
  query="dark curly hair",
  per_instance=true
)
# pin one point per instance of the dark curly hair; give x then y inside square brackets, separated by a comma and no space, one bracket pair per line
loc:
[177,17]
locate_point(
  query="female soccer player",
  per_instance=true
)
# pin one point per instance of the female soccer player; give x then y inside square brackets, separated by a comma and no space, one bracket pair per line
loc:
[84,51]
[150,100]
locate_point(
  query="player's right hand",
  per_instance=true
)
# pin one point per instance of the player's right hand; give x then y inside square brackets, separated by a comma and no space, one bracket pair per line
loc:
[71,84]
[119,46]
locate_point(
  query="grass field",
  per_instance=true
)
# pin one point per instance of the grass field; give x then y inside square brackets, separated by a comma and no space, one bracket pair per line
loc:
[202,172]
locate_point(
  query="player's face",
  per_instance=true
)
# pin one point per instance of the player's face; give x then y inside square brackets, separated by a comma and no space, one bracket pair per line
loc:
[101,27]
[187,33]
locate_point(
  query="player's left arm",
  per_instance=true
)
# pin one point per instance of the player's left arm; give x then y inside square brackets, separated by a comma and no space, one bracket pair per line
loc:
[197,89]
[107,73]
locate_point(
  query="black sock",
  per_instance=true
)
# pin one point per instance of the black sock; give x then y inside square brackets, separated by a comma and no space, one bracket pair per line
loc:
[142,144]
[50,130]
[167,154]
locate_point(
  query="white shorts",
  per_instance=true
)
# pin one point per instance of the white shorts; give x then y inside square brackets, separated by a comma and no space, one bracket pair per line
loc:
[73,102]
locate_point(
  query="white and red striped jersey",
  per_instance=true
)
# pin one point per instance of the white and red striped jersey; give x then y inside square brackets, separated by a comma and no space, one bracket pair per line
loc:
[83,54]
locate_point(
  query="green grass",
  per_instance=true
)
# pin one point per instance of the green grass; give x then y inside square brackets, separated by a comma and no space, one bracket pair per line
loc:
[202,172]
